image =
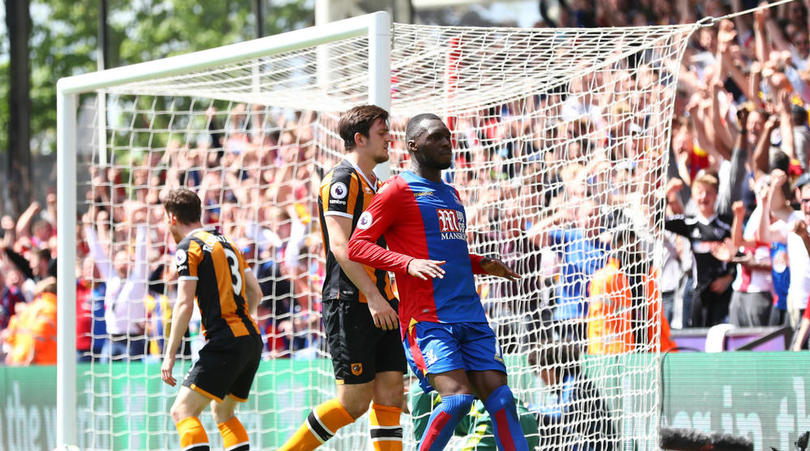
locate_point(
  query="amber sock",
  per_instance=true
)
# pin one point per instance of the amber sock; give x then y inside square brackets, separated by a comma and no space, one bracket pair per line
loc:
[234,436]
[192,435]
[321,425]
[385,430]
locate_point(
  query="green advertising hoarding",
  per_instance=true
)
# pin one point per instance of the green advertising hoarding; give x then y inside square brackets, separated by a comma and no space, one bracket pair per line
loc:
[762,395]
[130,405]
[757,394]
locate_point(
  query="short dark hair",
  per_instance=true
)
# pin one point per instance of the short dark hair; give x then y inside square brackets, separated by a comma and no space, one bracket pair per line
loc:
[359,120]
[44,254]
[778,159]
[184,204]
[414,127]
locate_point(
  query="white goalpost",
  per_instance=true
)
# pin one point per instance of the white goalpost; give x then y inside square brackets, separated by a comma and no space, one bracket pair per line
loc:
[559,134]
[375,27]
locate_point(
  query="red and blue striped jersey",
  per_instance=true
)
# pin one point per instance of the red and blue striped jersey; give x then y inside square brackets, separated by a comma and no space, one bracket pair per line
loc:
[421,219]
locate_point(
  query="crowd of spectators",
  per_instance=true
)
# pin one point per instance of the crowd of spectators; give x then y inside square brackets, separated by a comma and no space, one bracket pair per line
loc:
[561,184]
[256,180]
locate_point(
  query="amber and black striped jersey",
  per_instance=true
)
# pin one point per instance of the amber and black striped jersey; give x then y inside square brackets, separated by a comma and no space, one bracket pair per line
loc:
[345,192]
[215,262]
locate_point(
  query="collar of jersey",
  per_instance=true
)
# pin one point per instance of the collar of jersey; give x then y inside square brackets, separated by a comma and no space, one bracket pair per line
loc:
[362,174]
[204,228]
[705,221]
[424,179]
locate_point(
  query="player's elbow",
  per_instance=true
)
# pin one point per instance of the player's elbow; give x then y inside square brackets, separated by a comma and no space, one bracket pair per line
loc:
[253,298]
[354,250]
[340,250]
[183,310]
[253,292]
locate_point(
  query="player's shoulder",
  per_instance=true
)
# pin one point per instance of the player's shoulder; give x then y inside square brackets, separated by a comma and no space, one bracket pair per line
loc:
[393,188]
[341,172]
[221,237]
[190,248]
[185,243]
[199,238]
[339,180]
[454,190]
[395,183]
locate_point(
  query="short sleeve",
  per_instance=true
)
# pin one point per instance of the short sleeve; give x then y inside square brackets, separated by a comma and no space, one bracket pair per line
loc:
[187,258]
[379,215]
[339,193]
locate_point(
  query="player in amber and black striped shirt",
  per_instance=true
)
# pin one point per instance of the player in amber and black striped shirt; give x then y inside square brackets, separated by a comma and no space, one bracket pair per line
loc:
[213,270]
[359,308]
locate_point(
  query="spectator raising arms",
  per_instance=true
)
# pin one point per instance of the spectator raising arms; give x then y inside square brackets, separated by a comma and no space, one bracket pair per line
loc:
[706,232]
[126,290]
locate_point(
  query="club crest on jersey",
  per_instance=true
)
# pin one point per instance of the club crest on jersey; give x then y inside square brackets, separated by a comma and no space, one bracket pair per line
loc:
[339,190]
[357,369]
[365,221]
[451,224]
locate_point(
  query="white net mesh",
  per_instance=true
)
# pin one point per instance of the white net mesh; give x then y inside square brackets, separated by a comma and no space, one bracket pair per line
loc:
[561,134]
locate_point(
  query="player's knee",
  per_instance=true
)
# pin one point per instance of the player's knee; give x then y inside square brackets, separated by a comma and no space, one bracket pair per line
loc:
[221,412]
[391,397]
[357,409]
[391,394]
[457,405]
[179,411]
[356,403]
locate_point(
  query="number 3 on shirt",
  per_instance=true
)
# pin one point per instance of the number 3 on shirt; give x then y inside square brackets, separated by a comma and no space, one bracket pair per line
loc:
[236,276]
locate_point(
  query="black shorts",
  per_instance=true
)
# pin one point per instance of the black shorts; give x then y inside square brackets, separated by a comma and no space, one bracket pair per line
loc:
[360,349]
[226,366]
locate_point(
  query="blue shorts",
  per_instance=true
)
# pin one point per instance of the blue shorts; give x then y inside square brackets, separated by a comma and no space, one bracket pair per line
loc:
[435,348]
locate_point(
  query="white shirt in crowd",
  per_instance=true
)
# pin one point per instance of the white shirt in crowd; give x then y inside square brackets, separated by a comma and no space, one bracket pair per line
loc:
[760,280]
[799,263]
[124,309]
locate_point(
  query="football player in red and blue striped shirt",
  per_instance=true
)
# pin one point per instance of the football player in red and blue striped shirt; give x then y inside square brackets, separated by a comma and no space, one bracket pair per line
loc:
[447,340]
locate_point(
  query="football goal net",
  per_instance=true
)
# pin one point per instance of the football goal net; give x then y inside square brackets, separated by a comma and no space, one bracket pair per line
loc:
[560,135]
